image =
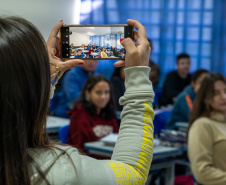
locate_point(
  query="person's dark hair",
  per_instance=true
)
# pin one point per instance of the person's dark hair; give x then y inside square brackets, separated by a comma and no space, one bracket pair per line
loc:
[202,106]
[109,111]
[197,74]
[79,50]
[102,49]
[24,97]
[154,67]
[150,43]
[182,55]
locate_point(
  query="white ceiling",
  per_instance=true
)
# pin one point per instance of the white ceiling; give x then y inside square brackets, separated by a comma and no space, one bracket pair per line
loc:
[92,31]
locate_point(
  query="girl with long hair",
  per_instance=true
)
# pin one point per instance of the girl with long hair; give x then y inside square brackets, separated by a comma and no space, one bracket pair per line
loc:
[207,131]
[93,115]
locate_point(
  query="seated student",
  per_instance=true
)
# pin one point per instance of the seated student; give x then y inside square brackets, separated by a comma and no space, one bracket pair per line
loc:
[103,54]
[118,80]
[176,80]
[99,49]
[91,51]
[73,82]
[184,102]
[27,154]
[112,49]
[115,52]
[89,46]
[79,54]
[207,132]
[93,115]
[72,52]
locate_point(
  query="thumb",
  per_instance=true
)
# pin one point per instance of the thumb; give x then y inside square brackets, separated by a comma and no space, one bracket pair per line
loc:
[69,64]
[128,44]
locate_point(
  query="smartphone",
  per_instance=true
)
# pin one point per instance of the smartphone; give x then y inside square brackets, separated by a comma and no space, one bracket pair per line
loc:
[94,42]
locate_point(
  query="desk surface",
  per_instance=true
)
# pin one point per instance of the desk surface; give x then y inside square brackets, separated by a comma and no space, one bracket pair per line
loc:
[159,152]
[54,123]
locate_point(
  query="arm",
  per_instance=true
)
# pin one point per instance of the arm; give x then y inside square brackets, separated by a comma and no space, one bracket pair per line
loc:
[200,152]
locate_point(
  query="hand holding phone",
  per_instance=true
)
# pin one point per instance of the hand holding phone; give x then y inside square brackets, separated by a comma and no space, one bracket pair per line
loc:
[136,54]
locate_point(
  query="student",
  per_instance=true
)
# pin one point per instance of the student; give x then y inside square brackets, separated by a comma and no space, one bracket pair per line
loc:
[27,155]
[207,132]
[103,54]
[176,80]
[79,54]
[90,51]
[184,102]
[73,82]
[93,115]
[89,46]
[115,52]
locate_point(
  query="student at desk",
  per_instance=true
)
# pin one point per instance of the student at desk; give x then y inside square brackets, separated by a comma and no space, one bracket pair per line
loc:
[183,105]
[103,54]
[79,54]
[93,115]
[207,132]
[27,154]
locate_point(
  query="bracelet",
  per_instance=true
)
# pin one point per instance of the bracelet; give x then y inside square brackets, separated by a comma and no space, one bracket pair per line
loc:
[57,74]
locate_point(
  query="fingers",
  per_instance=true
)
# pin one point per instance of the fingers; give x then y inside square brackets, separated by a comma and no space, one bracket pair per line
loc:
[55,29]
[139,27]
[135,36]
[128,44]
[119,63]
[69,64]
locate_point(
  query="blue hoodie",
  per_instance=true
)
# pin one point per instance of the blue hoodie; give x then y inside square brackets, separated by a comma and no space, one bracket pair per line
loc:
[181,112]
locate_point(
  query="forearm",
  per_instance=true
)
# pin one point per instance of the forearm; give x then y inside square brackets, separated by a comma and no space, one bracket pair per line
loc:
[135,141]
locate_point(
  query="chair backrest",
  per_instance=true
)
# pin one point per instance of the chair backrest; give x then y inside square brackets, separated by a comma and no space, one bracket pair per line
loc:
[63,134]
[160,120]
[158,93]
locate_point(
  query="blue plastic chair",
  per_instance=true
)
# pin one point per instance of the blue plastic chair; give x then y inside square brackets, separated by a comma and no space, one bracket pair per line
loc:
[63,134]
[160,120]
[158,93]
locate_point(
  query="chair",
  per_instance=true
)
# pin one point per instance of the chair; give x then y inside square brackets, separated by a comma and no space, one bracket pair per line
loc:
[160,120]
[157,97]
[63,134]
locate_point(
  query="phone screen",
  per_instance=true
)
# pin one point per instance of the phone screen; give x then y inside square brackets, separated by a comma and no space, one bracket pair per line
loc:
[98,42]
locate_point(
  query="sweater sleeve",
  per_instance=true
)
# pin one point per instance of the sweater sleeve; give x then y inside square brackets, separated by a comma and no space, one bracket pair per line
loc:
[200,153]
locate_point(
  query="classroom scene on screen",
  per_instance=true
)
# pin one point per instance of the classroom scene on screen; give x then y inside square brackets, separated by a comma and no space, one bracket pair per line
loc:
[96,42]
[148,110]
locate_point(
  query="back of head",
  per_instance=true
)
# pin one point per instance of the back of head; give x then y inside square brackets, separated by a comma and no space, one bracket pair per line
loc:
[202,105]
[197,74]
[24,97]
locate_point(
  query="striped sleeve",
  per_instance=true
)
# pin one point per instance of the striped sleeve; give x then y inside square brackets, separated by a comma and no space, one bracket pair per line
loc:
[134,146]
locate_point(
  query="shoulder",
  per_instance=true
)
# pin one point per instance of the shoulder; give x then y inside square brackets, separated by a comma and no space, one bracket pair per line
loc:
[172,74]
[202,124]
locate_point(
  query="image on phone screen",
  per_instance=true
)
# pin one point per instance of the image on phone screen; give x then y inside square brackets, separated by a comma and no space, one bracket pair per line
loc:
[93,42]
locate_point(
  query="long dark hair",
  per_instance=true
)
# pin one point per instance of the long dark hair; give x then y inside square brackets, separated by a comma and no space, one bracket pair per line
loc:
[24,97]
[202,107]
[109,111]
